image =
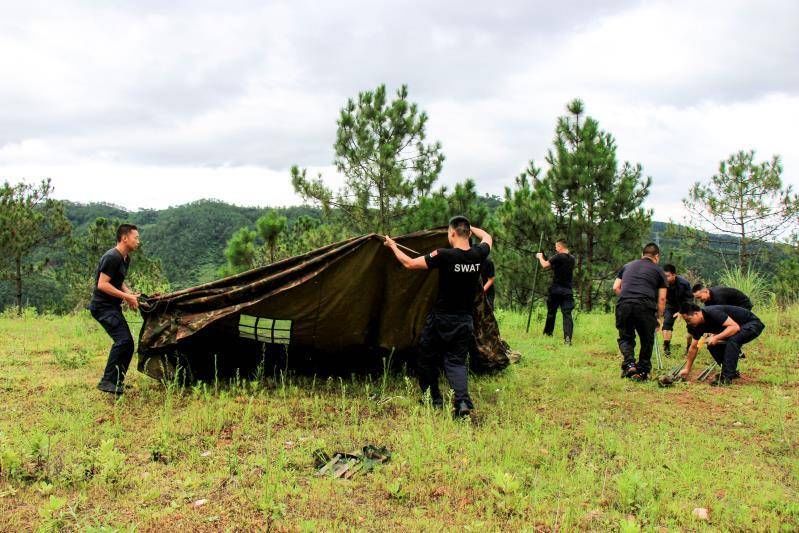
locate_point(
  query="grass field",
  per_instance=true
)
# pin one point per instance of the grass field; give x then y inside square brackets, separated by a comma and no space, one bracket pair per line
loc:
[562,443]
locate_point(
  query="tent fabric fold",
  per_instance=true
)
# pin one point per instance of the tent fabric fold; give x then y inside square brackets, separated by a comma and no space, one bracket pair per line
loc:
[339,299]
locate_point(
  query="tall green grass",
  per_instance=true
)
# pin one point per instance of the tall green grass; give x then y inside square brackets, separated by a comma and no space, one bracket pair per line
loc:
[750,282]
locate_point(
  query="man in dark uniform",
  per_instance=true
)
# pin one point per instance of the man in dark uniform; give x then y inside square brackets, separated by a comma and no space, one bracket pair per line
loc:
[487,274]
[730,327]
[641,287]
[109,292]
[449,328]
[678,292]
[560,292]
[721,296]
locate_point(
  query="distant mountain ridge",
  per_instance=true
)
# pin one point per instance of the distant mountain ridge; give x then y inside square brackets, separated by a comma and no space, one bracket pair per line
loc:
[190,239]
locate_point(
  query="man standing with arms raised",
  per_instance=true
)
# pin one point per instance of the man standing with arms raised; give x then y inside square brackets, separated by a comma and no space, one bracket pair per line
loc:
[560,292]
[641,287]
[449,328]
[109,292]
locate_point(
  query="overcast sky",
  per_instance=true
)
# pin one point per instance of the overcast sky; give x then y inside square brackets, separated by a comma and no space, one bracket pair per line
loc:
[151,104]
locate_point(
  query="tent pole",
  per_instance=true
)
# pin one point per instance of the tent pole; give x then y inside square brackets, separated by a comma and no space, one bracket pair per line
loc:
[535,279]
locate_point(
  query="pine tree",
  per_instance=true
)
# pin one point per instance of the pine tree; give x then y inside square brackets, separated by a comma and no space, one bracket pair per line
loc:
[585,198]
[387,167]
[29,219]
[269,228]
[746,200]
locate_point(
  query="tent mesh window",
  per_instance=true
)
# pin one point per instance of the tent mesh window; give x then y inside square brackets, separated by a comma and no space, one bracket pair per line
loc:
[267,330]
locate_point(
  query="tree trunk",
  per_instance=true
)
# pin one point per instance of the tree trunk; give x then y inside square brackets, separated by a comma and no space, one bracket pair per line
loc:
[589,301]
[18,280]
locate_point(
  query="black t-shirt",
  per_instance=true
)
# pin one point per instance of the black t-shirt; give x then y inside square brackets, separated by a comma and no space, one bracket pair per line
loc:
[728,296]
[640,281]
[562,266]
[459,277]
[716,315]
[116,267]
[486,272]
[679,293]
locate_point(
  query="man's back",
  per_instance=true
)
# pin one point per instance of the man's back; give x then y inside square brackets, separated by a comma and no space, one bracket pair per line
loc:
[729,296]
[562,266]
[641,280]
[459,277]
[716,315]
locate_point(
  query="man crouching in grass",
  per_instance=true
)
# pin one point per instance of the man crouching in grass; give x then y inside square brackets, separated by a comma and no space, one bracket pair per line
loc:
[106,307]
[730,328]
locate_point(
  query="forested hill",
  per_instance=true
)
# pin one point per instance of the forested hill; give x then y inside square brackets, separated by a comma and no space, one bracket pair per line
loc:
[189,239]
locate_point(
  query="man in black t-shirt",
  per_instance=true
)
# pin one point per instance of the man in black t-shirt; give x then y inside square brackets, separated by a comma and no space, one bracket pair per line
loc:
[449,328]
[487,274]
[678,292]
[109,292]
[641,288]
[721,296]
[560,292]
[730,327]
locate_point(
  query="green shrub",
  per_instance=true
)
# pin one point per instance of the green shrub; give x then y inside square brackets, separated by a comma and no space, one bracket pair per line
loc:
[634,492]
[109,462]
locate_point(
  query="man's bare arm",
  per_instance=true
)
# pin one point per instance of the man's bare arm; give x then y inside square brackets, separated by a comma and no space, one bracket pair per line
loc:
[104,284]
[483,236]
[690,357]
[617,286]
[415,263]
[488,284]
[661,302]
[731,327]
[544,263]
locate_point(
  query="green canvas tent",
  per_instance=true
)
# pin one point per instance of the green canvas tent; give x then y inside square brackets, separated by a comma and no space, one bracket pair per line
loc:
[344,304]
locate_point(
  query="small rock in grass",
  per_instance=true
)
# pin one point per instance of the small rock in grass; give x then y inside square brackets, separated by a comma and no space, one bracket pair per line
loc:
[206,453]
[199,503]
[701,513]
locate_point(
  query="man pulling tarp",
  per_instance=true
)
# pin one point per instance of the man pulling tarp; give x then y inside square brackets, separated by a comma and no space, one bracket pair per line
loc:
[449,328]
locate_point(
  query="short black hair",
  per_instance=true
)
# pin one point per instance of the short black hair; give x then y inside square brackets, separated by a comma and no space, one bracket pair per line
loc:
[563,242]
[697,287]
[651,249]
[461,225]
[124,229]
[671,269]
[689,308]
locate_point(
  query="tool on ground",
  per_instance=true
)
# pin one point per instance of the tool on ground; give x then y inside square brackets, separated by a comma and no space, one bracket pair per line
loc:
[535,280]
[673,376]
[657,353]
[347,465]
[706,372]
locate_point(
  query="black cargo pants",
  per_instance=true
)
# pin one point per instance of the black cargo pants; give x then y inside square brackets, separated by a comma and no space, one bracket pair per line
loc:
[114,323]
[728,353]
[445,340]
[560,298]
[636,316]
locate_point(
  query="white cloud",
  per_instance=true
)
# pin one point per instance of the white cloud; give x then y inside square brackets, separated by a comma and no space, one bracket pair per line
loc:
[199,99]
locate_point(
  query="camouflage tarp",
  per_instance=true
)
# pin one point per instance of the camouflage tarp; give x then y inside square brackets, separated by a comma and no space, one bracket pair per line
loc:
[346,298]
